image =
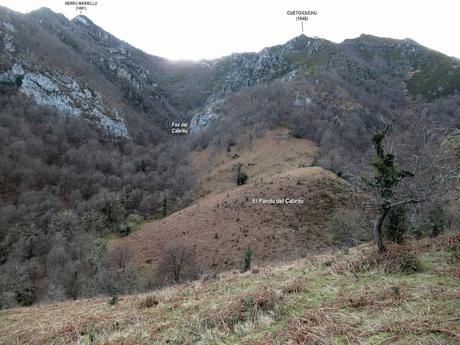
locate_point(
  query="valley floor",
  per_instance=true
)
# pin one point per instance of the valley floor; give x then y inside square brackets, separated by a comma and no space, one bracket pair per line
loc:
[315,300]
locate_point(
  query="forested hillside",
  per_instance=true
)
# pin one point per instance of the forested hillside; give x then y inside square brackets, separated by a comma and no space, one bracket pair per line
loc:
[65,184]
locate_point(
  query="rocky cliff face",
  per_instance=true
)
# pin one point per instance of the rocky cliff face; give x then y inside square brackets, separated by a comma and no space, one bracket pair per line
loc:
[66,95]
[116,56]
[80,70]
[53,88]
[237,71]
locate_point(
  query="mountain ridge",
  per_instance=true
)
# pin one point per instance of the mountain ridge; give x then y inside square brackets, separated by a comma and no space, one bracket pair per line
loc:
[159,77]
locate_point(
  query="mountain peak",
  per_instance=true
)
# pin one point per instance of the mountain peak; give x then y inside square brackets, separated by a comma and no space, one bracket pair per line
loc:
[309,45]
[304,38]
[43,11]
[81,19]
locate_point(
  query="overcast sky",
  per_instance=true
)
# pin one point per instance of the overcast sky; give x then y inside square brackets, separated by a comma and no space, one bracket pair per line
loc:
[196,29]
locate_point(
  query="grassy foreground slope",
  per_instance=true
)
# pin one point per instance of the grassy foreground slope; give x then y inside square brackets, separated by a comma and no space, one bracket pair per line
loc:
[328,299]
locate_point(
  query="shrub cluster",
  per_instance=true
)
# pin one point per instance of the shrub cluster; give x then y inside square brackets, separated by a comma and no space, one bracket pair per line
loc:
[396,259]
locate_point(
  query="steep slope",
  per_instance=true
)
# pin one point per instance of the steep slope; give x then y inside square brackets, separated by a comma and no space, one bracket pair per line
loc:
[394,71]
[81,70]
[275,152]
[426,73]
[219,227]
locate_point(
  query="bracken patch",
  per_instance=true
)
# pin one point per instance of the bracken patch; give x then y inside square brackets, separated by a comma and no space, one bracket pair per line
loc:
[245,308]
[318,325]
[396,259]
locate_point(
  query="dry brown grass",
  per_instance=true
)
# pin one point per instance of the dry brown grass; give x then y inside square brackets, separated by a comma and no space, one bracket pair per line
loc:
[318,325]
[244,308]
[377,299]
[238,222]
[149,302]
[416,326]
[302,302]
[276,152]
[396,259]
[294,286]
[443,242]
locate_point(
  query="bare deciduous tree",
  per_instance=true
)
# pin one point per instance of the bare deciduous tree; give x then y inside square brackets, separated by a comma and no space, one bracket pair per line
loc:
[176,262]
[121,256]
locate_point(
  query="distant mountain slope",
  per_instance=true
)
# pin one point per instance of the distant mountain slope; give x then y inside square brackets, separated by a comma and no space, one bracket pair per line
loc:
[388,68]
[426,73]
[81,70]
[275,152]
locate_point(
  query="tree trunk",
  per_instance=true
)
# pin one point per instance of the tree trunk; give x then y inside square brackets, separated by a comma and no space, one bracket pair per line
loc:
[165,207]
[378,223]
[413,213]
